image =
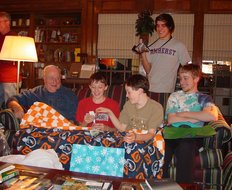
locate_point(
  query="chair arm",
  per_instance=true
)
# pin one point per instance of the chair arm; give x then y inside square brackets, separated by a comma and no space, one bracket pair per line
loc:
[223,134]
[211,158]
[10,125]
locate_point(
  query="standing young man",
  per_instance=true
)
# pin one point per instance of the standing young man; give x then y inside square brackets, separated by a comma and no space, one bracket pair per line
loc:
[187,108]
[8,74]
[164,58]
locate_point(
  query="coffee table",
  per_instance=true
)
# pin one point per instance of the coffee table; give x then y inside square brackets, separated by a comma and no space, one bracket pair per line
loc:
[52,174]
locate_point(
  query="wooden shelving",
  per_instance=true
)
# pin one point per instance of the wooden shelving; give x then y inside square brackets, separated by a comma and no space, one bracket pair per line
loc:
[57,36]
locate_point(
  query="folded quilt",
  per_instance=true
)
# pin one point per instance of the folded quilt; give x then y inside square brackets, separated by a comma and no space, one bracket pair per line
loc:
[43,115]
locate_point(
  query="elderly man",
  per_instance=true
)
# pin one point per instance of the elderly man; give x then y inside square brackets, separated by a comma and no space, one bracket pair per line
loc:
[52,93]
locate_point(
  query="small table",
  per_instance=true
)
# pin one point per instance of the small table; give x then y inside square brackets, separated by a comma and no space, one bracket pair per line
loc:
[51,174]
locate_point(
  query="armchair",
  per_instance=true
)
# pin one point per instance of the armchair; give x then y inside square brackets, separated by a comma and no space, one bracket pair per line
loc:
[10,125]
[209,160]
[208,171]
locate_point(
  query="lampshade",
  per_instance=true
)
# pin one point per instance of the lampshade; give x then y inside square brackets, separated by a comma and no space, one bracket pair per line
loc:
[19,48]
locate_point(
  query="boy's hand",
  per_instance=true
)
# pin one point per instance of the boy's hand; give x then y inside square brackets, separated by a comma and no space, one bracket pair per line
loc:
[89,118]
[130,137]
[99,126]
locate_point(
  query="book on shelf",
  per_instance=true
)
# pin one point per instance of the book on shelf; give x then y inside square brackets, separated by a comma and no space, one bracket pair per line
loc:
[162,184]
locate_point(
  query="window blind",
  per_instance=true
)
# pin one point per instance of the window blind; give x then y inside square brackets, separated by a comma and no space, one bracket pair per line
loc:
[217,43]
[116,34]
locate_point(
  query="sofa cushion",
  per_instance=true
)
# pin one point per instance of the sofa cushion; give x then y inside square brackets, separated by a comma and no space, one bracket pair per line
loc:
[227,174]
[212,179]
[211,158]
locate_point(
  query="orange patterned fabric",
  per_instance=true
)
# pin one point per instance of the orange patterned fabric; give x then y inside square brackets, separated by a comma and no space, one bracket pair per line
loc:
[143,159]
[159,142]
[43,115]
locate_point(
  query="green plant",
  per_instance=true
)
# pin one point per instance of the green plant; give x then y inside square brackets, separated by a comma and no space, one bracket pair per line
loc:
[144,24]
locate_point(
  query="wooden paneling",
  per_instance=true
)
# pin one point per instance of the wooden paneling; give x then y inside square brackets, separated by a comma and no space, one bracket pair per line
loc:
[124,6]
[172,5]
[16,6]
[220,5]
[91,32]
[41,5]
[117,5]
[198,38]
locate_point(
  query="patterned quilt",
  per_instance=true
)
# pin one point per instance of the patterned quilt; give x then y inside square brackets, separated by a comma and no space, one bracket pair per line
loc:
[143,159]
[43,127]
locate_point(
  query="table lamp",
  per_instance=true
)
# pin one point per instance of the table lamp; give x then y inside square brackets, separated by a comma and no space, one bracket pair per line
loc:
[18,48]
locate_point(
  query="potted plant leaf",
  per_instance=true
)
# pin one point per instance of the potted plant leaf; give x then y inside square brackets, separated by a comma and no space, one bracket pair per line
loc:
[144,25]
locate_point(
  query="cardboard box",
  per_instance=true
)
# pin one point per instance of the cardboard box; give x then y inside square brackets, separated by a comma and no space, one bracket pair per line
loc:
[87,70]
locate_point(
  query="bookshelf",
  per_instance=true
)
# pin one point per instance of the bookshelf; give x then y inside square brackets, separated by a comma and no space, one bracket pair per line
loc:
[58,41]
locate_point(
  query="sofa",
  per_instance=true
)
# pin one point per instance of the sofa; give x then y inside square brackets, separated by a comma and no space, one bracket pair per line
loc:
[209,158]
[227,174]
[208,172]
[142,159]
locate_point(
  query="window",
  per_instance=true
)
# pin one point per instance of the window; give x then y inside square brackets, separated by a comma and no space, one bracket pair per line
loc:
[217,44]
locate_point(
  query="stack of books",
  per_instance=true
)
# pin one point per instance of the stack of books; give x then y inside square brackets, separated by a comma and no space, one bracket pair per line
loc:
[28,180]
[7,171]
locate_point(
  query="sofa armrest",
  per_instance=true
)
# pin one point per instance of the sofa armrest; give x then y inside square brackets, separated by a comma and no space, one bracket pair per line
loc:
[211,158]
[227,174]
[223,135]
[10,125]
